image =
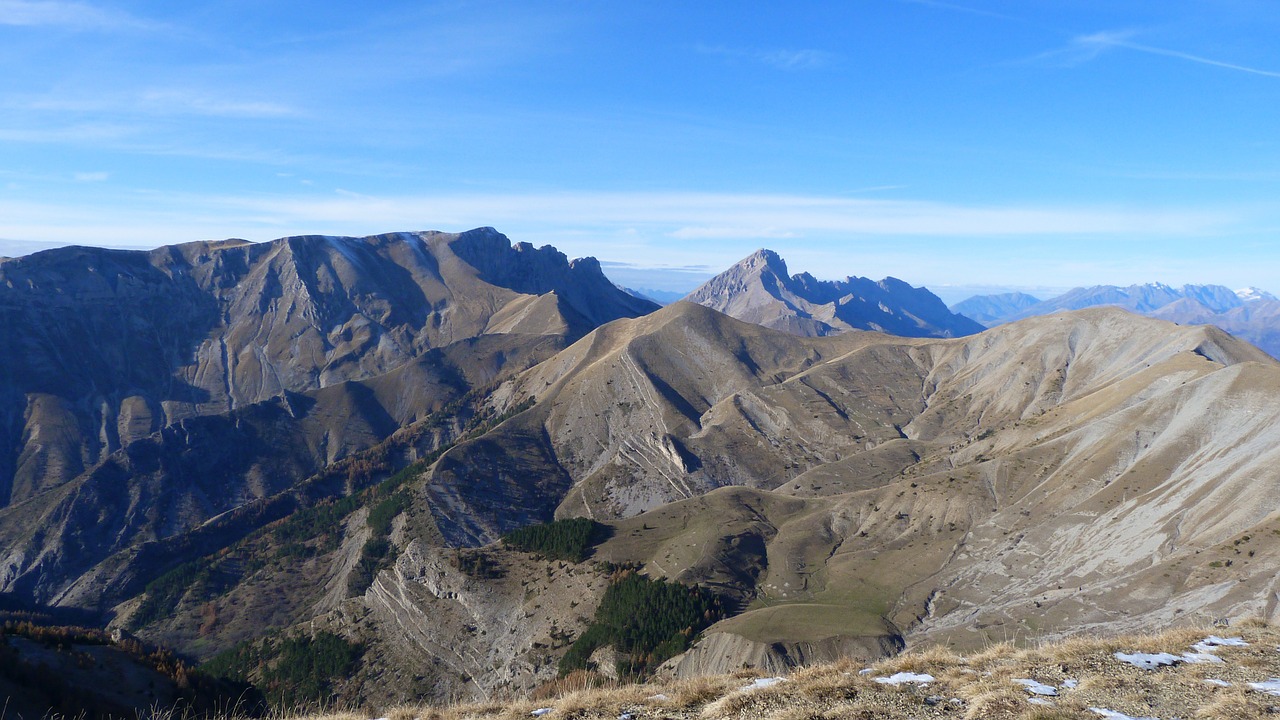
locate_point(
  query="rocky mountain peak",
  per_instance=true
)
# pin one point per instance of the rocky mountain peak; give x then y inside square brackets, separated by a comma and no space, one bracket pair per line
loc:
[757,289]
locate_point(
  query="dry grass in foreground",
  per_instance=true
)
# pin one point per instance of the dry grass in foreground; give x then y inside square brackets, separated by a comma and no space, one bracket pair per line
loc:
[1088,679]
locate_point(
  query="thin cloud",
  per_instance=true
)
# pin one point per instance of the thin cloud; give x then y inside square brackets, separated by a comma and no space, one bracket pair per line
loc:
[72,15]
[958,8]
[731,232]
[212,105]
[160,101]
[1106,39]
[88,133]
[629,225]
[781,59]
[796,59]
[718,215]
[88,177]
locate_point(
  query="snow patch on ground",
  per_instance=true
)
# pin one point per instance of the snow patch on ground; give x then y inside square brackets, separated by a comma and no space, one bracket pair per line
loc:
[1113,715]
[1213,642]
[1217,682]
[906,677]
[764,682]
[1036,687]
[1197,658]
[1270,687]
[1148,661]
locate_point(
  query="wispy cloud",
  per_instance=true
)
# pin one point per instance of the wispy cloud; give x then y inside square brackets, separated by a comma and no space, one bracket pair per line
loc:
[72,15]
[781,59]
[918,240]
[1085,48]
[731,232]
[211,104]
[1121,40]
[715,218]
[160,101]
[85,133]
[958,8]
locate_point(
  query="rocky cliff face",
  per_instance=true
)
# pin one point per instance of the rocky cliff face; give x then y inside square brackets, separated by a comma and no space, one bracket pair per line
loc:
[758,289]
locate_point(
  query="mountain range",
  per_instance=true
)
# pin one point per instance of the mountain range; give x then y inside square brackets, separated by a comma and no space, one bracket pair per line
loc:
[1249,313]
[250,451]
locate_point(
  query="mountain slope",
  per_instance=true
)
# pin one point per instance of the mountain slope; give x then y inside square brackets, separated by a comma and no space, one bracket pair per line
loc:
[758,289]
[847,494]
[958,478]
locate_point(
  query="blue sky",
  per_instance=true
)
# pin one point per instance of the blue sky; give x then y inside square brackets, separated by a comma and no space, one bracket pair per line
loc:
[998,143]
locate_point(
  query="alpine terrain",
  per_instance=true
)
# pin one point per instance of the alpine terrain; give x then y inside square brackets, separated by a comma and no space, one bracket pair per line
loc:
[429,467]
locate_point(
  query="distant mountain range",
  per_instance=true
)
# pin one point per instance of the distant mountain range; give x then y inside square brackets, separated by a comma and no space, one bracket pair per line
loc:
[1250,313]
[758,289]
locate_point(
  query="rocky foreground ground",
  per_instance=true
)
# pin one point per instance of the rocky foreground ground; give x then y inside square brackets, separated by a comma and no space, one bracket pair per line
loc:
[1206,672]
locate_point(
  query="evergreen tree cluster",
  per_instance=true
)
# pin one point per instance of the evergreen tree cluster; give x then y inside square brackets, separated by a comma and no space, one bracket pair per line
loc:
[569,540]
[646,620]
[293,672]
[377,552]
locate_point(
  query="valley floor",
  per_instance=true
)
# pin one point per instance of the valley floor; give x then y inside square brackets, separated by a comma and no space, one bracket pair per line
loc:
[1227,673]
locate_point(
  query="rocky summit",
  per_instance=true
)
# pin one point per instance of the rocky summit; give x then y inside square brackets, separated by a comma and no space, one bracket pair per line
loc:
[758,289]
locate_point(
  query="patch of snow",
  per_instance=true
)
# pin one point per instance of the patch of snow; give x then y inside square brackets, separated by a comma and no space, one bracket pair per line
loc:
[1040,701]
[1252,294]
[1113,715]
[1270,687]
[906,677]
[540,712]
[1071,683]
[659,697]
[1036,687]
[1198,658]
[1217,682]
[1148,661]
[1215,641]
[765,682]
[865,671]
[627,716]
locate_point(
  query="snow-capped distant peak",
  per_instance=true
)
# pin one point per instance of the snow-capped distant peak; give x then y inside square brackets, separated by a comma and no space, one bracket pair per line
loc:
[1251,294]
